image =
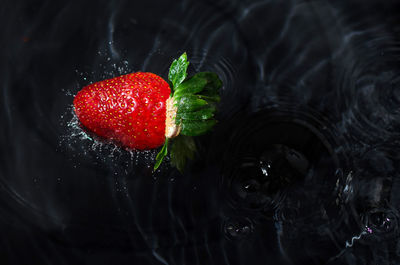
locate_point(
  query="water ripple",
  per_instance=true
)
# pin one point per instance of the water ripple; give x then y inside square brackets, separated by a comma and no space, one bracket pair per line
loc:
[303,165]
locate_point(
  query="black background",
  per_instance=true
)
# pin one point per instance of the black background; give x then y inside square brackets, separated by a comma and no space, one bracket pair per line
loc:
[321,77]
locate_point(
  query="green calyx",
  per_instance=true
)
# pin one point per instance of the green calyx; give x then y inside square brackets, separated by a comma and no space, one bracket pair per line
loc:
[196,100]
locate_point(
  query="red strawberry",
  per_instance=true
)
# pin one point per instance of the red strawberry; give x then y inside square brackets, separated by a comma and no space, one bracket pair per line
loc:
[130,109]
[138,111]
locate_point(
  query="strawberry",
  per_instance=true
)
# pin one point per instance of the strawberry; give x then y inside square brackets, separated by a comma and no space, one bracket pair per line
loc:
[141,111]
[130,109]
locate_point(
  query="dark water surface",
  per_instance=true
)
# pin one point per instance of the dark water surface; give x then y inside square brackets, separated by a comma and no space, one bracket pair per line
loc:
[302,168]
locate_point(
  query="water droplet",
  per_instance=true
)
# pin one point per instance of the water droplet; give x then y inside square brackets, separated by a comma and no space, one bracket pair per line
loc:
[265,167]
[251,185]
[238,228]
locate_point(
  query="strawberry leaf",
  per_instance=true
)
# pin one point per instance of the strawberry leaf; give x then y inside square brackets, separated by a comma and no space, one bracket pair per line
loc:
[196,128]
[160,156]
[177,72]
[195,99]
[203,114]
[212,87]
[210,99]
[190,103]
[183,148]
[192,85]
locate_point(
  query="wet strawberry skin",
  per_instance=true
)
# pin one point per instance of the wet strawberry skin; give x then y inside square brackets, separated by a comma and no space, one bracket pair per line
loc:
[129,109]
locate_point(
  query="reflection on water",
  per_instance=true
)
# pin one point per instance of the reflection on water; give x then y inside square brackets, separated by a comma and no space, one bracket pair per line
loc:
[302,167]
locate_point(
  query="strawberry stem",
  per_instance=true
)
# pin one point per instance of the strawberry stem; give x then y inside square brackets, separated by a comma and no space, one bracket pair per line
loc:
[195,99]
